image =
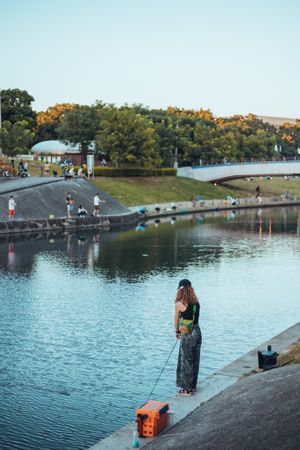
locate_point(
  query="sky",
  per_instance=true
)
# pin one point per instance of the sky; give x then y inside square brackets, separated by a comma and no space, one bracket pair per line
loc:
[229,56]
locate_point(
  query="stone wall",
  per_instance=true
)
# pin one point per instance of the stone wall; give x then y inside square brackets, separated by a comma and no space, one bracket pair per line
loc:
[31,226]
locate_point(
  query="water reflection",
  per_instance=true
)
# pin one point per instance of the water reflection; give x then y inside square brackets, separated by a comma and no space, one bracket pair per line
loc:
[166,247]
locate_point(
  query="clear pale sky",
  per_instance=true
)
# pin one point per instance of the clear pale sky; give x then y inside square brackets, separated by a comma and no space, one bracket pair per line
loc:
[233,57]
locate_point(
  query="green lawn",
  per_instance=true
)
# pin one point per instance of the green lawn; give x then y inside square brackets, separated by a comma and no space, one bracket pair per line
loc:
[268,188]
[149,190]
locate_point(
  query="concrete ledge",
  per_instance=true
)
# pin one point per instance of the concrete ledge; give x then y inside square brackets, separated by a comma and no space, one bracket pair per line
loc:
[19,184]
[213,205]
[209,388]
[29,226]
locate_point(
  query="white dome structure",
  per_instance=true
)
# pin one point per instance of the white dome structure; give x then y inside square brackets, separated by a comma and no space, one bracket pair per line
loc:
[54,148]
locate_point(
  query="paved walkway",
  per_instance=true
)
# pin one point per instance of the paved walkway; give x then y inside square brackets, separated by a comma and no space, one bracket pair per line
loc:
[18,184]
[213,385]
[259,412]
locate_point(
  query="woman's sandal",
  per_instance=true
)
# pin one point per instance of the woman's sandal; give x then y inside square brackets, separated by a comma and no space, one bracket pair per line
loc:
[185,392]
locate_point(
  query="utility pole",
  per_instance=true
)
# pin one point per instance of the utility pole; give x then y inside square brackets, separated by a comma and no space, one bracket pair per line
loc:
[0,123]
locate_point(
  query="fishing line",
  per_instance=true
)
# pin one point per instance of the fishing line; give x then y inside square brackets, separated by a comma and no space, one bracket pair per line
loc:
[163,369]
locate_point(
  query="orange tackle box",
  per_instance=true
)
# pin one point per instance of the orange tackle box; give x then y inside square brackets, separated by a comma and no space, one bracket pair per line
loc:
[152,418]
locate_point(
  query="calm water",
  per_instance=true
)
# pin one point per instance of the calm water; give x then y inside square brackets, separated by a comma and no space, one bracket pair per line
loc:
[86,321]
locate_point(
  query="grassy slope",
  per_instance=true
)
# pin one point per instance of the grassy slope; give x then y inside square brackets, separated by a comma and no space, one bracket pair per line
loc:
[149,190]
[268,188]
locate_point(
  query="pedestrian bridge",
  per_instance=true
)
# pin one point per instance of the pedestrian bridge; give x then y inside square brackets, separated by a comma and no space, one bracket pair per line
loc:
[230,171]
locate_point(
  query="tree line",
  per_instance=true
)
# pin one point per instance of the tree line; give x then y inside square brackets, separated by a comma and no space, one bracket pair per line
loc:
[135,135]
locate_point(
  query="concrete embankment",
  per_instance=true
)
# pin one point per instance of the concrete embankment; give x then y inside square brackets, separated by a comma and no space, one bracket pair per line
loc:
[38,198]
[165,209]
[232,410]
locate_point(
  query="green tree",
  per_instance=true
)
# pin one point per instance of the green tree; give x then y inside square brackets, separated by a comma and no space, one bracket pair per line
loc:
[79,125]
[16,107]
[126,137]
[259,146]
[15,138]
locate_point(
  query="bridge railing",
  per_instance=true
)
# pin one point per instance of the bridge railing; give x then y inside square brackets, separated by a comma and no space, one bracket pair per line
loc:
[244,161]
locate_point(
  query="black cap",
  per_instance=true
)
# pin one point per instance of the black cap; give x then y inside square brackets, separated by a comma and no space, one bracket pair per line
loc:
[184,283]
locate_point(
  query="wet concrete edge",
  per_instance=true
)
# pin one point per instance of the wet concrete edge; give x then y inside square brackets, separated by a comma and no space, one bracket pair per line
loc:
[209,388]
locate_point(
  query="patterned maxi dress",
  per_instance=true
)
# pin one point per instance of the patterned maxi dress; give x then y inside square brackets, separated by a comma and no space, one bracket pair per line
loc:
[189,359]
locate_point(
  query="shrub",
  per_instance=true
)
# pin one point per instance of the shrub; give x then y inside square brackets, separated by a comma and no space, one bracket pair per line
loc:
[132,172]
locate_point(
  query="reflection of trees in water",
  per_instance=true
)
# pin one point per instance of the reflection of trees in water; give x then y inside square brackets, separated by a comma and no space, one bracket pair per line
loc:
[197,239]
[114,254]
[153,251]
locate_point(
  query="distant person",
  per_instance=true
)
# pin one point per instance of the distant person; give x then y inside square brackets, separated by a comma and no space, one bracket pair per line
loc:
[47,169]
[4,172]
[21,168]
[81,212]
[66,174]
[97,202]
[70,205]
[12,164]
[72,173]
[11,207]
[42,170]
[80,172]
[257,190]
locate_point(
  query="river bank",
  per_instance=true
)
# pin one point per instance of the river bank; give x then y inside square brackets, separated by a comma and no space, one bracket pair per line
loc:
[133,216]
[214,388]
[166,209]
[41,206]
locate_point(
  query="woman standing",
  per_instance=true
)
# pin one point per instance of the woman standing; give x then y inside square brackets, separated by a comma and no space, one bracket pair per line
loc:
[187,330]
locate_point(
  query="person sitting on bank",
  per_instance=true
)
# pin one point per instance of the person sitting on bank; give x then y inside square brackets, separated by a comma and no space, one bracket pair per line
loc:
[81,212]
[68,175]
